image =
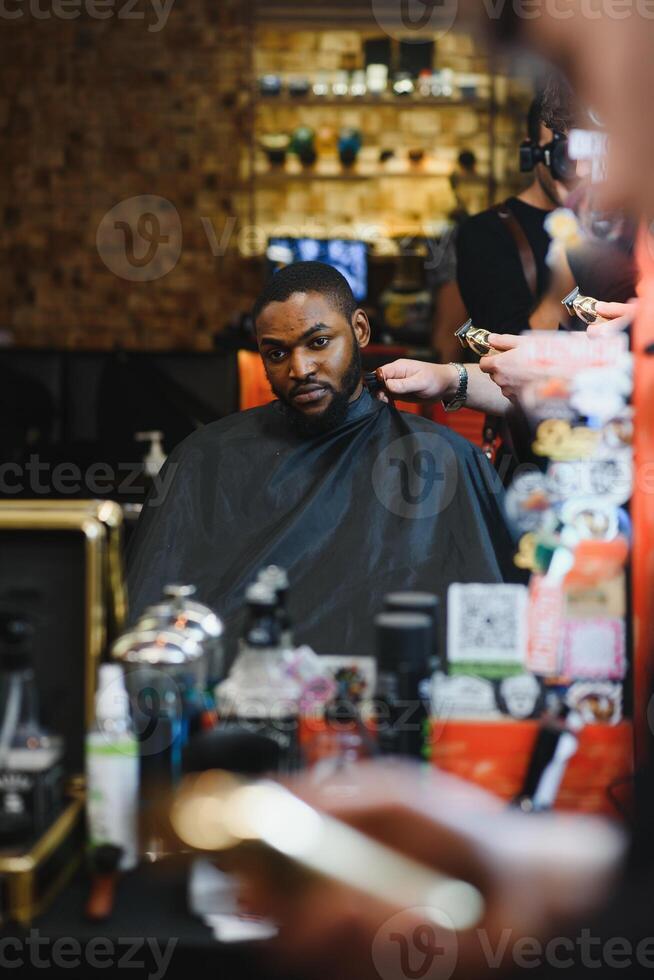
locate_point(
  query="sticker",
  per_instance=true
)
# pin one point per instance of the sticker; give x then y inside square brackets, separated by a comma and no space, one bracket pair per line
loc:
[562,225]
[560,441]
[520,696]
[608,478]
[528,503]
[545,619]
[463,697]
[601,599]
[601,393]
[594,648]
[618,434]
[526,554]
[597,561]
[355,677]
[548,398]
[588,518]
[564,353]
[487,626]
[597,702]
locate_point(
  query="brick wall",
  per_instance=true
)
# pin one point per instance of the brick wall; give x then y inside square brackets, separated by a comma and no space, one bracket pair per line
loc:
[155,111]
[96,111]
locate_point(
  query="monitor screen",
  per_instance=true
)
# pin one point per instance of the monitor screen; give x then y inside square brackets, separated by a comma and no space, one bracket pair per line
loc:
[349,257]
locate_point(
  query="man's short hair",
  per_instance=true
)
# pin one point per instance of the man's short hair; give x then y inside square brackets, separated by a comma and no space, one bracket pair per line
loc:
[308,277]
[559,109]
[554,106]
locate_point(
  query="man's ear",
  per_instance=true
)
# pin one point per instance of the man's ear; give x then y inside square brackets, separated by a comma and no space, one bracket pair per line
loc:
[361,327]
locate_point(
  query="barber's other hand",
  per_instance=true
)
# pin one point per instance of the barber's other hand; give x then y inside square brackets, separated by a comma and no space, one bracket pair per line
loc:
[505,367]
[417,381]
[613,318]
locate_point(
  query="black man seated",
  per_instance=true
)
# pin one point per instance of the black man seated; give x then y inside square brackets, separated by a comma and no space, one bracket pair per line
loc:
[353,498]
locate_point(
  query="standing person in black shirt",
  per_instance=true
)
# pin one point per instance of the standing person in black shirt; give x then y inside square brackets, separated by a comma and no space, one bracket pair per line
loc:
[502,271]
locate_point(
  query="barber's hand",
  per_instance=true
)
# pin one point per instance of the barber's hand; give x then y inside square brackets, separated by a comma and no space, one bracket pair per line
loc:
[505,367]
[613,318]
[417,381]
[534,872]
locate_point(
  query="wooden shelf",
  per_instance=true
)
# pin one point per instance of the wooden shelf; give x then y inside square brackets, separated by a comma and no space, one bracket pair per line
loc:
[279,176]
[383,102]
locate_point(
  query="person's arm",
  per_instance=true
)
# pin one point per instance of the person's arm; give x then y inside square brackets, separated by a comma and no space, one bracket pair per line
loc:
[450,313]
[420,381]
[550,313]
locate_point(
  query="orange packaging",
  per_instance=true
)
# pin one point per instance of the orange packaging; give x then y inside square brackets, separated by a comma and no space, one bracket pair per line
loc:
[495,756]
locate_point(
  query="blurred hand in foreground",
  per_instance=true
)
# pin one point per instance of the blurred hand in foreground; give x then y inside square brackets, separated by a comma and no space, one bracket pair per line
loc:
[535,873]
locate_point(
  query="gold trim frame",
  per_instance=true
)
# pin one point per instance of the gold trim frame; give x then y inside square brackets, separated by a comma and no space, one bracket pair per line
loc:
[23,904]
[105,600]
[101,523]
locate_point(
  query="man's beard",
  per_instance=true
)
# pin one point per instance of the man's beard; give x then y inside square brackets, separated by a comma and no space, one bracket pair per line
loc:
[335,413]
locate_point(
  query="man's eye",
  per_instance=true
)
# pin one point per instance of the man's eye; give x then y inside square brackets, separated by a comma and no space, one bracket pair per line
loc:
[319,343]
[276,355]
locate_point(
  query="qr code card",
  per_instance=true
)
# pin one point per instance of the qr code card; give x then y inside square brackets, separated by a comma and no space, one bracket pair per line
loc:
[487,624]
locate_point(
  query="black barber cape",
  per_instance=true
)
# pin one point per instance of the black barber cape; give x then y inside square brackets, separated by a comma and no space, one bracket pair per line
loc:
[386,501]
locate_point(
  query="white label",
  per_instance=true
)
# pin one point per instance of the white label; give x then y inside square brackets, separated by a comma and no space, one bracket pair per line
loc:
[112,772]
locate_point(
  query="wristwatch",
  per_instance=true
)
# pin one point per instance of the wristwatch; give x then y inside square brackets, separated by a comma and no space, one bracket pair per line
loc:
[461,393]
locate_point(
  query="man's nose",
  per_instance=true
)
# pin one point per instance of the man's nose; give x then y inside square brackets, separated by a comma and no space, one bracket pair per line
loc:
[302,363]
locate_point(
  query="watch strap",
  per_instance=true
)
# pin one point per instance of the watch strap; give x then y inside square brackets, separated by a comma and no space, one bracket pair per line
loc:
[461,393]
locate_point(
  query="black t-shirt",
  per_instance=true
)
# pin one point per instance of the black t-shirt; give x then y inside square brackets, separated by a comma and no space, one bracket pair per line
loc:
[489,270]
[606,270]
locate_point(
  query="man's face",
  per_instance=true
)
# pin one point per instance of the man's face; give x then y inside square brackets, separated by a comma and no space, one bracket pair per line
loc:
[311,354]
[555,189]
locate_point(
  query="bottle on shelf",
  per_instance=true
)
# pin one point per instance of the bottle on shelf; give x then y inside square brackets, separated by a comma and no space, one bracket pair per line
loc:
[259,694]
[276,578]
[165,673]
[429,605]
[179,610]
[155,456]
[556,743]
[31,767]
[112,770]
[404,650]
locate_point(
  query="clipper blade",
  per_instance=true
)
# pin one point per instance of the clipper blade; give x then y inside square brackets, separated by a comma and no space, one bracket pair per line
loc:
[580,306]
[475,338]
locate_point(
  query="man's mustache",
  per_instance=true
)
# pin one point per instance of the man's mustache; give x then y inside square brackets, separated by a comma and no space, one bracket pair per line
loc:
[307,386]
